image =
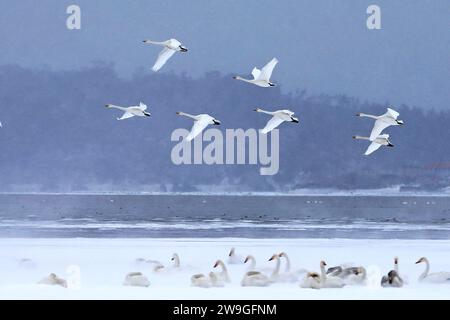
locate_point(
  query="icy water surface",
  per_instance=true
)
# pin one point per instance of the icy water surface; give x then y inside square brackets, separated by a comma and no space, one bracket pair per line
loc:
[215,216]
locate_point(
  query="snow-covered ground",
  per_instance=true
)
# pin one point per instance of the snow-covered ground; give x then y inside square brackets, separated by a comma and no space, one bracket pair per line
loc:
[103,264]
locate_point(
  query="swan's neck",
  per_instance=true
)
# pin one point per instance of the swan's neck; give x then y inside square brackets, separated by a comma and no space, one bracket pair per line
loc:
[266,112]
[117,107]
[187,115]
[243,79]
[288,264]
[323,274]
[252,263]
[368,116]
[427,269]
[277,268]
[361,138]
[396,267]
[176,261]
[156,42]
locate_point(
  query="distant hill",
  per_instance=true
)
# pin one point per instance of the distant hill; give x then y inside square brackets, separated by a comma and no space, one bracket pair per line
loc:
[57,136]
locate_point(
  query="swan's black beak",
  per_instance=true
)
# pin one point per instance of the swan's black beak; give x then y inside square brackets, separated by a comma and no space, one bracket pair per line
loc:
[216,122]
[294,120]
[390,145]
[183,49]
[418,261]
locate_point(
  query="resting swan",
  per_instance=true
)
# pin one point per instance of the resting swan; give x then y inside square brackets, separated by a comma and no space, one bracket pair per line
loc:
[223,274]
[136,279]
[329,281]
[393,279]
[200,280]
[255,279]
[283,277]
[53,280]
[234,258]
[435,277]
[311,281]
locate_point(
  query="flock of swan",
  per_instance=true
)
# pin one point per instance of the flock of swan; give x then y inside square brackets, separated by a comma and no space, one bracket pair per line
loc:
[328,277]
[261,78]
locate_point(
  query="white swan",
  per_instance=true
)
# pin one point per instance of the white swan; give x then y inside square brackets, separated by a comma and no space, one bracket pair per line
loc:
[252,265]
[354,276]
[176,261]
[201,121]
[136,279]
[287,268]
[278,117]
[129,112]
[255,279]
[381,140]
[382,122]
[276,276]
[200,280]
[311,281]
[170,47]
[261,77]
[53,280]
[329,281]
[223,274]
[435,277]
[234,258]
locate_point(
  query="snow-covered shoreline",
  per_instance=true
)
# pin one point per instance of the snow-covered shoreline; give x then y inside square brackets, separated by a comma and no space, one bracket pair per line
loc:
[103,264]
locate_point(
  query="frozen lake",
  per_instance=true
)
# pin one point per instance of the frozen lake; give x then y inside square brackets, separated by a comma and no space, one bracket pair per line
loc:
[102,264]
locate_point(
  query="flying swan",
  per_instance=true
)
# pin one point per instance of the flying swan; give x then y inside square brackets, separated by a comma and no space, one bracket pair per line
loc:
[381,140]
[278,117]
[129,112]
[201,121]
[261,77]
[170,47]
[382,122]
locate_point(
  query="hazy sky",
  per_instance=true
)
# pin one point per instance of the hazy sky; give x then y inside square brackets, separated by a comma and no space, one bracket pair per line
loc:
[323,46]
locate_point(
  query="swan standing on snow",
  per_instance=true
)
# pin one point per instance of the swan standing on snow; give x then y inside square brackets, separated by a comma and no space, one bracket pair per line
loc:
[53,280]
[435,277]
[382,122]
[392,279]
[329,281]
[381,140]
[170,47]
[234,258]
[278,117]
[129,112]
[261,78]
[201,121]
[136,279]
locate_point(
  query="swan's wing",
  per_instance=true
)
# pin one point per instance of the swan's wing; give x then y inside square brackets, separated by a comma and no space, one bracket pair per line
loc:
[197,128]
[266,72]
[372,148]
[126,115]
[142,106]
[392,113]
[1,126]
[378,127]
[272,124]
[384,136]
[255,73]
[164,55]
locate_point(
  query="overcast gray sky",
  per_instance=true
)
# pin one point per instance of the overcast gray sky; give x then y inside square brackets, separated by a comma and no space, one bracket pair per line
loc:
[323,45]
